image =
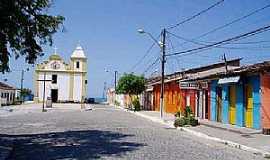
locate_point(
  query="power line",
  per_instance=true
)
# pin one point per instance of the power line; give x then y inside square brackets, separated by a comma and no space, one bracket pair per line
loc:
[237,48]
[242,43]
[147,52]
[231,22]
[151,65]
[143,57]
[252,42]
[245,35]
[196,15]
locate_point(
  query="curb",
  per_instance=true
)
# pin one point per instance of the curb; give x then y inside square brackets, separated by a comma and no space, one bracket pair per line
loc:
[157,120]
[226,142]
[153,119]
[265,154]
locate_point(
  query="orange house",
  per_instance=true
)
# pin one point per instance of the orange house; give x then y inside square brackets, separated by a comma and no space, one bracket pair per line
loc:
[265,102]
[174,98]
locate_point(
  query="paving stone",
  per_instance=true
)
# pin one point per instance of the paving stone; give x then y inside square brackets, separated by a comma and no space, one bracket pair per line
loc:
[105,133]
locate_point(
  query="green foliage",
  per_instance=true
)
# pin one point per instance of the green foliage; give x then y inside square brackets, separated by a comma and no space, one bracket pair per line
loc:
[179,122]
[178,114]
[130,84]
[25,26]
[136,104]
[116,103]
[193,121]
[188,111]
[187,119]
[182,121]
[25,92]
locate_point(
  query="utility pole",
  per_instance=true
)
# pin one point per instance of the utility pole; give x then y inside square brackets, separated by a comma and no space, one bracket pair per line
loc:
[22,78]
[226,65]
[115,80]
[104,90]
[163,47]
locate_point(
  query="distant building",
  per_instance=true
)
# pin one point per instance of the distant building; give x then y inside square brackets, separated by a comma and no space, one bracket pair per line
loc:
[7,94]
[68,80]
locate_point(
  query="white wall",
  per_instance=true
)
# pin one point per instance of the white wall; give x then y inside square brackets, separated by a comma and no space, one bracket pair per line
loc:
[121,99]
[77,91]
[62,85]
[75,65]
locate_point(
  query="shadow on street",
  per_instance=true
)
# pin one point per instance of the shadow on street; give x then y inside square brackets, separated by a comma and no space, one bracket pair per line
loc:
[89,144]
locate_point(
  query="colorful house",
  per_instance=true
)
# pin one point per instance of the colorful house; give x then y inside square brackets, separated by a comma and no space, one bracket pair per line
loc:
[180,89]
[241,96]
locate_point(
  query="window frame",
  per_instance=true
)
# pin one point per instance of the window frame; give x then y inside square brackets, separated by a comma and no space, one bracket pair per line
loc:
[77,64]
[54,81]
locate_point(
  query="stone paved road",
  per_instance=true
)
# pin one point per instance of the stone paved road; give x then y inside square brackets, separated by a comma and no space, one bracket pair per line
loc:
[104,133]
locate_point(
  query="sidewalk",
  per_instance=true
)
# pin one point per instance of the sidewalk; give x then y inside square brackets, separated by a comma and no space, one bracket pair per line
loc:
[239,137]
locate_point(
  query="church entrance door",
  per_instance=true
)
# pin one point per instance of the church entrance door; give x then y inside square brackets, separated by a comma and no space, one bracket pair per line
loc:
[54,95]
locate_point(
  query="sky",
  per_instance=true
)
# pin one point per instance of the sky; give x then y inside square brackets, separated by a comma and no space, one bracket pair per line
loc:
[107,31]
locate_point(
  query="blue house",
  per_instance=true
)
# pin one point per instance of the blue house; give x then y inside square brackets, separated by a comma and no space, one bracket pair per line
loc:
[236,99]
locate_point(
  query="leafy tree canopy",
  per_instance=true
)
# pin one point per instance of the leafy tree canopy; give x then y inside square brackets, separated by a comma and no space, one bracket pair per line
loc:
[25,92]
[24,27]
[130,84]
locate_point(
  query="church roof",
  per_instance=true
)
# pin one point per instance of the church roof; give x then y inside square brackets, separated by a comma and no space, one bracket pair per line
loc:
[78,53]
[55,57]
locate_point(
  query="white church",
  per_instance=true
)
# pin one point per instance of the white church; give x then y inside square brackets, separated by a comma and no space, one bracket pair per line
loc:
[65,82]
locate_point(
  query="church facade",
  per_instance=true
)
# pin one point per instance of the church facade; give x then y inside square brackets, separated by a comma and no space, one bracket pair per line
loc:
[62,82]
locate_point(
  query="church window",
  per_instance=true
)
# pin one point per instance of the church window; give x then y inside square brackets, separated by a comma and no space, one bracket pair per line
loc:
[85,81]
[54,78]
[77,64]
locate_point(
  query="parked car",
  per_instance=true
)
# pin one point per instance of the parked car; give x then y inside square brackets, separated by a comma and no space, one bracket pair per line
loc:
[90,100]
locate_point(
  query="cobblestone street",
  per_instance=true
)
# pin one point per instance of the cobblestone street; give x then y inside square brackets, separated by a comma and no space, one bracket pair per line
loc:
[103,133]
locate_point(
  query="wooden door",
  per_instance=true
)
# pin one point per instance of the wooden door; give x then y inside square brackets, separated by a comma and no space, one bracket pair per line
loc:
[54,95]
[232,104]
[249,106]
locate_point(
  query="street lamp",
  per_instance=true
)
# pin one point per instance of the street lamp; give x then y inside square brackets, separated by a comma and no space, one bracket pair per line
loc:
[142,31]
[162,46]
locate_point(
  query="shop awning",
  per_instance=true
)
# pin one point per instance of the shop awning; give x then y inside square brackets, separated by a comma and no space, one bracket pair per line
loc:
[229,80]
[149,89]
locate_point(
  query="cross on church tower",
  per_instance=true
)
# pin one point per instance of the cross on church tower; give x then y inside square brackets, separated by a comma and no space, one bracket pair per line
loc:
[55,50]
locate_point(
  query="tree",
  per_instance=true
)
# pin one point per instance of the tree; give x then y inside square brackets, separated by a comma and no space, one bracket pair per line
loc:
[130,84]
[24,27]
[25,92]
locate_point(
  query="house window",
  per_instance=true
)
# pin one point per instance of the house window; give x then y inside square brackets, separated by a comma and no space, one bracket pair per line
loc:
[77,64]
[54,78]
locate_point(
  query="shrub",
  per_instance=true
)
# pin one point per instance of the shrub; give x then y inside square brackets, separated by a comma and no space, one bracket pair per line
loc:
[116,103]
[193,121]
[188,111]
[179,122]
[136,104]
[178,114]
[182,121]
